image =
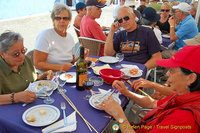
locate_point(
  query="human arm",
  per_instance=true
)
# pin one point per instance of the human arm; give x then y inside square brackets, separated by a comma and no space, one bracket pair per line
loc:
[143,101]
[23,96]
[151,63]
[164,90]
[40,63]
[109,48]
[114,109]
[172,22]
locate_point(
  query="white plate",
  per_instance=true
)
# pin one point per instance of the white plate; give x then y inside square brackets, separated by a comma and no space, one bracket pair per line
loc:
[108,59]
[92,65]
[52,114]
[127,72]
[97,96]
[38,85]
[70,80]
[166,36]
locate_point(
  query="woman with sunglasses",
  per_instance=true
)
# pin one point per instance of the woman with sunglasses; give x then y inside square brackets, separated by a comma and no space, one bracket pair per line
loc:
[54,47]
[163,23]
[16,70]
[179,112]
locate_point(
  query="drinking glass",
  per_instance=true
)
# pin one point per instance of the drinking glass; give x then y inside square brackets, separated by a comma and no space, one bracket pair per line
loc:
[60,82]
[48,100]
[120,57]
[89,63]
[87,85]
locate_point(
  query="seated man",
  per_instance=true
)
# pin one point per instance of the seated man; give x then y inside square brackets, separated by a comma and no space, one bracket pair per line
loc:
[89,27]
[81,10]
[187,27]
[139,44]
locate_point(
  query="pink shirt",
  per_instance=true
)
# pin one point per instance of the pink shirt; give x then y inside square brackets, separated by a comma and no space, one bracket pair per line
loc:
[91,29]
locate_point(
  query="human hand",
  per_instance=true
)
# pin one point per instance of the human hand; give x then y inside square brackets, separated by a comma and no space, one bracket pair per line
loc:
[65,67]
[48,75]
[172,21]
[136,84]
[120,86]
[114,27]
[112,107]
[86,52]
[25,97]
[157,95]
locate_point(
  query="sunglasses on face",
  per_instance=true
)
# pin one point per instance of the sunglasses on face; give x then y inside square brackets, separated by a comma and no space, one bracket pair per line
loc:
[17,54]
[126,18]
[167,10]
[64,18]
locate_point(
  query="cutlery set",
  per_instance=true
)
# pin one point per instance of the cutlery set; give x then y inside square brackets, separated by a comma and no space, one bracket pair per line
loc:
[99,100]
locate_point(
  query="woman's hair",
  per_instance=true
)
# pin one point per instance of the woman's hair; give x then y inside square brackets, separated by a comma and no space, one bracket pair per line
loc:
[194,5]
[7,39]
[58,7]
[166,5]
[141,8]
[195,86]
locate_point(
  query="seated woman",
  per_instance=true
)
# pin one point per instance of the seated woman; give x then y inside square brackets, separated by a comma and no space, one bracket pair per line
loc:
[163,23]
[16,70]
[54,48]
[176,113]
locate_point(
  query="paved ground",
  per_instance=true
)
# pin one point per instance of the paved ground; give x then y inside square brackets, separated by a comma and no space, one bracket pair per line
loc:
[29,27]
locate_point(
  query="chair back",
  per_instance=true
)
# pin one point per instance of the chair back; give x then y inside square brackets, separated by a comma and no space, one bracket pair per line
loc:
[29,54]
[77,31]
[93,45]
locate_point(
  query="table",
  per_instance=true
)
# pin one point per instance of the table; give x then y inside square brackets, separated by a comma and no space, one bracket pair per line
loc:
[11,115]
[166,42]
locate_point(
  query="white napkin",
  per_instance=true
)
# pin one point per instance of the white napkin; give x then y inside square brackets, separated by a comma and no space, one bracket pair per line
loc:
[129,66]
[70,128]
[96,69]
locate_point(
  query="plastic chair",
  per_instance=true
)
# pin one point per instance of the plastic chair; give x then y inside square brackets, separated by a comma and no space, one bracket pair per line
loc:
[93,45]
[29,54]
[77,31]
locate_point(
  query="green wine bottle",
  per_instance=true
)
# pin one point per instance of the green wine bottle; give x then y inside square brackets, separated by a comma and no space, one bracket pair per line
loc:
[81,70]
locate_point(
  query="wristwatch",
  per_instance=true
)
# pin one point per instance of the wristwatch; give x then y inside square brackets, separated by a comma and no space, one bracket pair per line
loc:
[121,120]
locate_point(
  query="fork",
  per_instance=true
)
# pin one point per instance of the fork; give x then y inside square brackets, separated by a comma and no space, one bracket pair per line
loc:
[63,107]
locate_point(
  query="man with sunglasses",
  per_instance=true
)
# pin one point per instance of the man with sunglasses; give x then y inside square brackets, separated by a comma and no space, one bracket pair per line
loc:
[89,27]
[137,43]
[187,27]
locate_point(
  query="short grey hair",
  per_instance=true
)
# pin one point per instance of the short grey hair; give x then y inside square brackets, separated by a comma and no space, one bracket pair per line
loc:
[186,13]
[130,10]
[58,7]
[7,39]
[147,22]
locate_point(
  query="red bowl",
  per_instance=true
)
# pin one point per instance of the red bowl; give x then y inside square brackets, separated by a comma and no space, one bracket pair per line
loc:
[109,75]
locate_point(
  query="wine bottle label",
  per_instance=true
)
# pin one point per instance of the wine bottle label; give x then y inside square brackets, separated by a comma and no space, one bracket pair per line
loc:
[82,78]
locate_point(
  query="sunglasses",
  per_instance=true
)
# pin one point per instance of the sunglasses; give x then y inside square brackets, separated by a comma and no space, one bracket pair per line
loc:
[64,18]
[17,54]
[162,10]
[126,18]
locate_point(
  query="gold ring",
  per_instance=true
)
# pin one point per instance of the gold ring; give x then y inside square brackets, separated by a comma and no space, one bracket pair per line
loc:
[103,105]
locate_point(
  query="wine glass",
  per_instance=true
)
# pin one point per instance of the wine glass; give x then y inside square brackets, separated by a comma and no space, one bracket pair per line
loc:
[48,100]
[89,63]
[60,82]
[87,85]
[120,57]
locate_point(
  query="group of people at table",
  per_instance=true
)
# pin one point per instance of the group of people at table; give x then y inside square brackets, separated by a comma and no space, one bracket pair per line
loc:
[54,50]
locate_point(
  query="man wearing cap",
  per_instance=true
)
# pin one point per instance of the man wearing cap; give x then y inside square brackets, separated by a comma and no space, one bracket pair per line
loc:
[187,27]
[81,10]
[89,27]
[154,4]
[150,18]
[137,43]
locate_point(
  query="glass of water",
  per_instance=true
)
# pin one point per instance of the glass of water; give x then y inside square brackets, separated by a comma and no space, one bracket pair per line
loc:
[120,57]
[60,82]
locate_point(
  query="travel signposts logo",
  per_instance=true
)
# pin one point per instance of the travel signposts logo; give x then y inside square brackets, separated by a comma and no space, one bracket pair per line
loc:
[115,127]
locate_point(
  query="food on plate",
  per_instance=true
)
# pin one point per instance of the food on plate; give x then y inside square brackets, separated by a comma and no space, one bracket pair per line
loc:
[133,71]
[68,76]
[49,74]
[44,83]
[42,111]
[30,118]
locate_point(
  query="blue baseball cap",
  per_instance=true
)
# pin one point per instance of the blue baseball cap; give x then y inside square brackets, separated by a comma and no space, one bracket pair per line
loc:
[80,5]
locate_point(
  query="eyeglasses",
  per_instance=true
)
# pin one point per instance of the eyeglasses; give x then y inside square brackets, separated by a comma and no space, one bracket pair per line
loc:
[17,54]
[126,18]
[64,18]
[167,10]
[132,6]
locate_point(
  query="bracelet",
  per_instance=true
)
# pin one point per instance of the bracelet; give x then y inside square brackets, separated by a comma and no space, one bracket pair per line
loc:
[171,26]
[12,97]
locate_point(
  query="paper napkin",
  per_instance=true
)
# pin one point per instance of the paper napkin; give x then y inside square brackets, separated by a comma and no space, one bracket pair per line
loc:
[70,128]
[98,68]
